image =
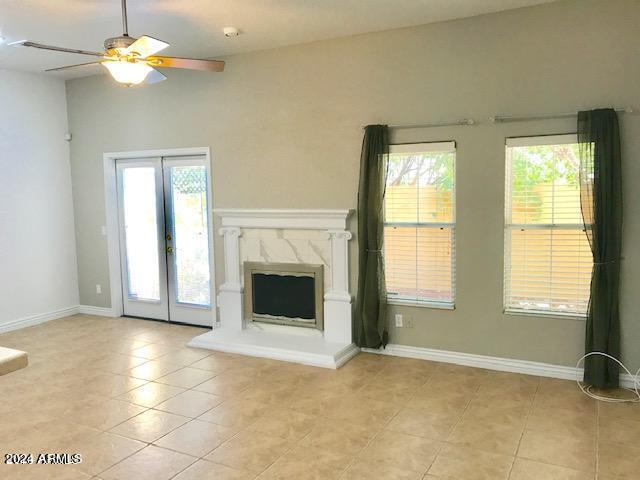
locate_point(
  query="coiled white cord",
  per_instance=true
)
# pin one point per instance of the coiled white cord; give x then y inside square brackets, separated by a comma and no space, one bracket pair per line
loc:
[587,390]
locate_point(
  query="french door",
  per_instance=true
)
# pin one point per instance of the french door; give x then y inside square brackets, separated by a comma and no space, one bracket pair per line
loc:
[163,214]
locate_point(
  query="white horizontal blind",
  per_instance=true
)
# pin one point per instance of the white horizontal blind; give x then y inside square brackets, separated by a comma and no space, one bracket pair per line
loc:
[419,234]
[548,259]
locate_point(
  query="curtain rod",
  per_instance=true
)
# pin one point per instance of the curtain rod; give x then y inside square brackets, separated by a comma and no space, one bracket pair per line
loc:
[543,116]
[463,121]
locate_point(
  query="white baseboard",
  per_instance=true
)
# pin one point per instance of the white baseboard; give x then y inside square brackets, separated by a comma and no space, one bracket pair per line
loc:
[100,311]
[490,363]
[37,319]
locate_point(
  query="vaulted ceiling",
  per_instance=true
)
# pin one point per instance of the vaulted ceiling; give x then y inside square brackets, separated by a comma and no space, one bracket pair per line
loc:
[194,27]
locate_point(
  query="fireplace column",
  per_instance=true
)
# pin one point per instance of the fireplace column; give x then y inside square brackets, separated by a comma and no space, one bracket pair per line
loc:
[337,301]
[230,296]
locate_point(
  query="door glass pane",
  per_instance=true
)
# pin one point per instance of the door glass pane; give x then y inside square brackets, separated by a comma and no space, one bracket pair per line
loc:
[141,232]
[191,242]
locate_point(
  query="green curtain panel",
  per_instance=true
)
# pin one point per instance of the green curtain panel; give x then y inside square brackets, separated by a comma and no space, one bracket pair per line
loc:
[371,301]
[601,199]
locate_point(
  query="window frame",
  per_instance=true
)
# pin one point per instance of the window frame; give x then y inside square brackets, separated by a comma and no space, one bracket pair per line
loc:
[423,147]
[530,141]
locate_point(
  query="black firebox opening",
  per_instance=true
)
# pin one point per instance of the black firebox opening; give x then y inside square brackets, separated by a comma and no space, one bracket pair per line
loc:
[284,295]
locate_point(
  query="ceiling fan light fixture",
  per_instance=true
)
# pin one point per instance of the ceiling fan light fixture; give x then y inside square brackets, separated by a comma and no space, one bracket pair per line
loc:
[126,72]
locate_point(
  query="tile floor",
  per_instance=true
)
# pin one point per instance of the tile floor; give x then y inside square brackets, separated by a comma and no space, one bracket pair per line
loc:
[139,405]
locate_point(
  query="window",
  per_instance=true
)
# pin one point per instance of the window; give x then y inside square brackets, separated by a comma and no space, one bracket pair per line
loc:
[419,229]
[548,260]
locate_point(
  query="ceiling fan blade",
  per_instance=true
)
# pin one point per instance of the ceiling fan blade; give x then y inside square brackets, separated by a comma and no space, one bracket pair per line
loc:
[145,46]
[58,69]
[26,43]
[190,63]
[154,76]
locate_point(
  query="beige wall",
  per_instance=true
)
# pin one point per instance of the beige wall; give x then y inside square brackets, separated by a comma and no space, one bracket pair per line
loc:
[284,129]
[38,273]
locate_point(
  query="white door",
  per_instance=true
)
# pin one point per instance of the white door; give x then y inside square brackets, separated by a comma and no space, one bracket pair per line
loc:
[163,209]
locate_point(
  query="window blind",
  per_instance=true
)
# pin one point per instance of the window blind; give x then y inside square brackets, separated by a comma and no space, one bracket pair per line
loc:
[419,234]
[548,259]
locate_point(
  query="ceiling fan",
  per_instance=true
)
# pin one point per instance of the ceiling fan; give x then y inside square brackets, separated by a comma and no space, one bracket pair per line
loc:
[131,61]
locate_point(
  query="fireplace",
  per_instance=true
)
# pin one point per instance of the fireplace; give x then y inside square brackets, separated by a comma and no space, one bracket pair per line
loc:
[284,293]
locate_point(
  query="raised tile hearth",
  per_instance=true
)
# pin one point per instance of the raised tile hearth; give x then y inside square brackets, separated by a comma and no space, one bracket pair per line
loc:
[285,237]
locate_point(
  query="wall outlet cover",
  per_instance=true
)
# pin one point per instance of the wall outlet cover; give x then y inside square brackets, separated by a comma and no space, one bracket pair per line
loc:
[398,319]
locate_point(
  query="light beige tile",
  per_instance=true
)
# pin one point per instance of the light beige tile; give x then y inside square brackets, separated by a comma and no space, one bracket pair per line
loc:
[369,469]
[287,424]
[558,449]
[196,438]
[267,392]
[111,385]
[235,413]
[513,416]
[107,414]
[397,391]
[150,394]
[186,377]
[225,384]
[630,411]
[152,351]
[103,451]
[216,363]
[401,450]
[617,459]
[457,461]
[617,430]
[150,463]
[492,437]
[149,426]
[153,369]
[205,470]
[530,470]
[339,436]
[250,451]
[563,394]
[423,423]
[307,464]
[573,422]
[357,408]
[118,363]
[440,400]
[185,356]
[190,403]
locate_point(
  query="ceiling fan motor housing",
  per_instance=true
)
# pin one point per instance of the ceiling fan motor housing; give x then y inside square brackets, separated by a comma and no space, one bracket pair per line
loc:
[115,43]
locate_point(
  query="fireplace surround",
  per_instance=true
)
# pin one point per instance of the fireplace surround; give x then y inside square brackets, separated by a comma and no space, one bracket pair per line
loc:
[272,237]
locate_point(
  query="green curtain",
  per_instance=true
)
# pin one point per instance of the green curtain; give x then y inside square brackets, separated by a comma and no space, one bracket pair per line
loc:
[601,200]
[371,301]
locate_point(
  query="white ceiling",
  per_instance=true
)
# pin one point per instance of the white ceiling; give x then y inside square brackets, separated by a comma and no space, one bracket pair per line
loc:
[194,27]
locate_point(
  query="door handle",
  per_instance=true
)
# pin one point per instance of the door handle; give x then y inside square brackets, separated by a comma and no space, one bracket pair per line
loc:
[170,250]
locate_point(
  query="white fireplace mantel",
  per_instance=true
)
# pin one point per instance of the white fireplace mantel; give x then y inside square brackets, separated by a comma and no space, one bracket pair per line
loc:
[331,349]
[281,218]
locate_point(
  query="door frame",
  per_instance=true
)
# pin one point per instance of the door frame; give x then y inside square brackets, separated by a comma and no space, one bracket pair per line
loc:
[113,229]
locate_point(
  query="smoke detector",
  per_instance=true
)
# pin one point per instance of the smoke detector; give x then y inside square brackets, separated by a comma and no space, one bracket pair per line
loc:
[230,32]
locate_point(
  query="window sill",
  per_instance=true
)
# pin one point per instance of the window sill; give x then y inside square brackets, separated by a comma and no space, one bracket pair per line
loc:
[418,303]
[546,314]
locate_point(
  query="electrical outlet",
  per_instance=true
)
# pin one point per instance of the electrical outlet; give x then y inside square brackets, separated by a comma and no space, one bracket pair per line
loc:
[408,322]
[98,288]
[103,230]
[398,318]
